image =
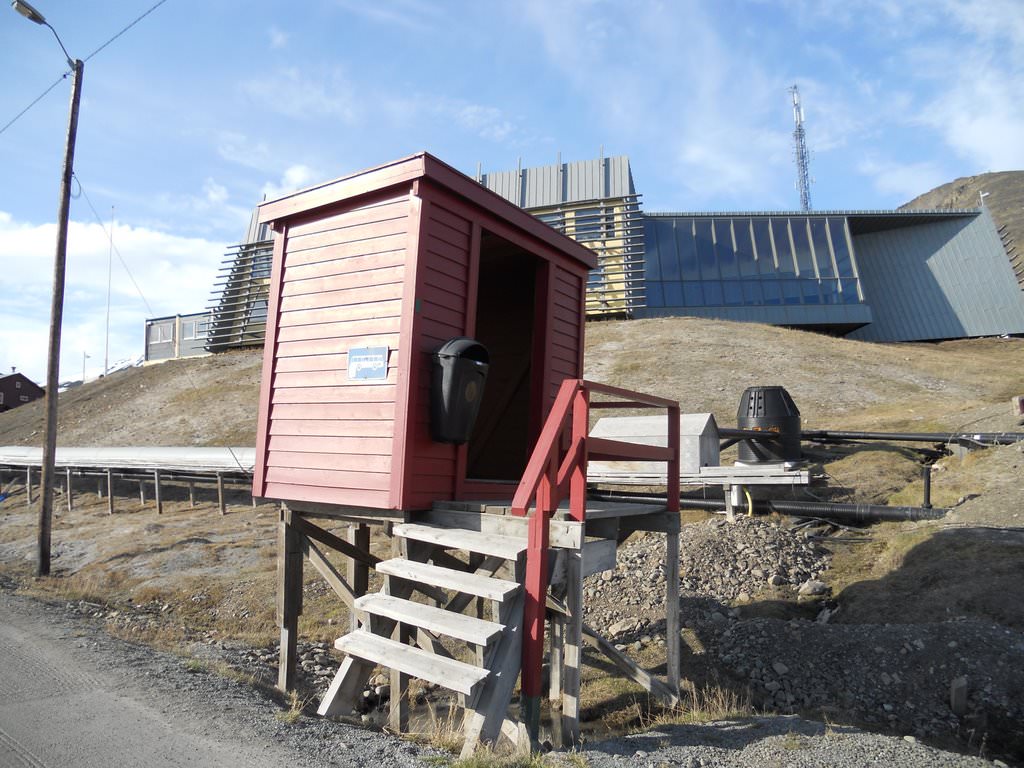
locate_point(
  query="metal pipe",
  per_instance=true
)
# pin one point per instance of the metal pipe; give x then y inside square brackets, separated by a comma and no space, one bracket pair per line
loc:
[858,513]
[981,438]
[926,477]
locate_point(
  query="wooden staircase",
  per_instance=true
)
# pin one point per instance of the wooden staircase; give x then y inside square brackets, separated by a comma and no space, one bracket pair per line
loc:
[406,636]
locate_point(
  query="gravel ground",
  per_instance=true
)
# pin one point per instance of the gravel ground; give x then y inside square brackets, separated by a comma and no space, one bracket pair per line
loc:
[190,693]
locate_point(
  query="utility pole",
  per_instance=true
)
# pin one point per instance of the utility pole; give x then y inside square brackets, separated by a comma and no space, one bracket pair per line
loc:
[110,265]
[800,153]
[57,303]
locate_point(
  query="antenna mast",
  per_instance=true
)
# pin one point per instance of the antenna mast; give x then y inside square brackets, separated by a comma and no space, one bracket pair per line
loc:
[803,161]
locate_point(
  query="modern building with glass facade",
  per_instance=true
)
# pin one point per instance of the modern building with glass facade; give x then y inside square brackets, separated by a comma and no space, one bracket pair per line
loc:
[871,275]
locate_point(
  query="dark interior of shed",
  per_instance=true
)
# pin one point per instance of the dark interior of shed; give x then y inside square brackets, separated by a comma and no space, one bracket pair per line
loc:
[505,324]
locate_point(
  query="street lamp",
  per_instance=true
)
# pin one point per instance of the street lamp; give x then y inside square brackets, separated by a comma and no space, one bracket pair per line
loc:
[57,304]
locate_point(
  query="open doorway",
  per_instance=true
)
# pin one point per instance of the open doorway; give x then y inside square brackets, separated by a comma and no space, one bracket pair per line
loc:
[506,300]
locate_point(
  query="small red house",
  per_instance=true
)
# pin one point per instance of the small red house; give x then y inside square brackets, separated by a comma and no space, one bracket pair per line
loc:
[372,273]
[17,389]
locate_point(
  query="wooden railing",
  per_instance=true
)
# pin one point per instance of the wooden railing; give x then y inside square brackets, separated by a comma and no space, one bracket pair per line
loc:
[558,470]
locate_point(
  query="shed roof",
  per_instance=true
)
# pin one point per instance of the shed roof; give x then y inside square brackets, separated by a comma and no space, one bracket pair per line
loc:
[422,165]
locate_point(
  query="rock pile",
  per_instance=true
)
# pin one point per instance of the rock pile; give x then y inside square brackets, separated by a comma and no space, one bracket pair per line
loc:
[720,561]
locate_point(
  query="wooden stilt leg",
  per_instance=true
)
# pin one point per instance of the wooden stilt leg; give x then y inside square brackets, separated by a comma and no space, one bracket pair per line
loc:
[28,487]
[71,503]
[110,492]
[142,493]
[191,494]
[358,572]
[672,628]
[220,493]
[399,705]
[573,650]
[156,492]
[289,597]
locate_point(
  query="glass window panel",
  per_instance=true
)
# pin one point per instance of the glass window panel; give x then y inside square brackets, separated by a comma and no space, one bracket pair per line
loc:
[840,246]
[780,235]
[261,265]
[655,295]
[829,291]
[849,292]
[763,244]
[809,288]
[693,294]
[657,250]
[673,294]
[724,250]
[744,248]
[772,292]
[802,247]
[732,291]
[790,291]
[687,250]
[752,292]
[819,239]
[705,250]
[712,293]
[587,224]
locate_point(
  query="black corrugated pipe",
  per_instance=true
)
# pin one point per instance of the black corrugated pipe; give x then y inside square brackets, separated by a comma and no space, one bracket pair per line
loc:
[979,438]
[852,513]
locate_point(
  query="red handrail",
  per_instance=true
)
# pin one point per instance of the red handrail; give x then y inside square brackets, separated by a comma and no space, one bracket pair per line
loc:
[558,468]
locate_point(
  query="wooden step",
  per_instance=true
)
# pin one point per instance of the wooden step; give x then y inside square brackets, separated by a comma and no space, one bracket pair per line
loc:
[507,547]
[486,587]
[451,674]
[436,620]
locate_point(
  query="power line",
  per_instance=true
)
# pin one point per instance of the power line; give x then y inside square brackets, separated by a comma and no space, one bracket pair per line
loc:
[40,97]
[113,247]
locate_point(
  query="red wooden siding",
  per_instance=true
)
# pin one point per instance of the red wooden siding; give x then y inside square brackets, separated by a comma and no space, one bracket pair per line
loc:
[443,285]
[329,438]
[391,257]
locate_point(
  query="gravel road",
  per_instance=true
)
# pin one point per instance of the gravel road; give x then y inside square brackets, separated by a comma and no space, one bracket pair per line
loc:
[71,695]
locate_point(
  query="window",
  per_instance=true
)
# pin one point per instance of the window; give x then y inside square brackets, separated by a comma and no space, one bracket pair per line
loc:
[780,236]
[844,260]
[802,247]
[687,250]
[819,239]
[588,224]
[763,246]
[161,333]
[17,385]
[706,251]
[261,264]
[23,398]
[1,398]
[724,248]
[744,251]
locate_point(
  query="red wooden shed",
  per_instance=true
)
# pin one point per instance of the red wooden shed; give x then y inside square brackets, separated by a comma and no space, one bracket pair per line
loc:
[372,273]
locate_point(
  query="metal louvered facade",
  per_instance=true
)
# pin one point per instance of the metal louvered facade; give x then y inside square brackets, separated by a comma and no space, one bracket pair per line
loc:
[238,308]
[595,203]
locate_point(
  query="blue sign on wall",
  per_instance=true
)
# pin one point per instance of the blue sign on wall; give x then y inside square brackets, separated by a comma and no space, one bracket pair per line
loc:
[368,363]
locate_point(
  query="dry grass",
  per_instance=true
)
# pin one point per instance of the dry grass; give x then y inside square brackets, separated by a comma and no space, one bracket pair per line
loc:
[708,704]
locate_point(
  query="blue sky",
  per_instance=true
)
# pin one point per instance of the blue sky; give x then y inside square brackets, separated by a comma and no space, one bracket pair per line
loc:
[196,113]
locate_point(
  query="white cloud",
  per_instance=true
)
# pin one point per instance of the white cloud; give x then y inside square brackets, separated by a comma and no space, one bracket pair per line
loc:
[174,274]
[278,38]
[295,177]
[240,149]
[415,15]
[902,181]
[302,96]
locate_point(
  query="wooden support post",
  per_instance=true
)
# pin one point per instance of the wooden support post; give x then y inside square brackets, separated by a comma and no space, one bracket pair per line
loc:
[254,502]
[289,597]
[573,650]
[191,494]
[28,487]
[220,493]
[156,492]
[110,492]
[71,503]
[142,492]
[358,572]
[99,487]
[398,714]
[672,627]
